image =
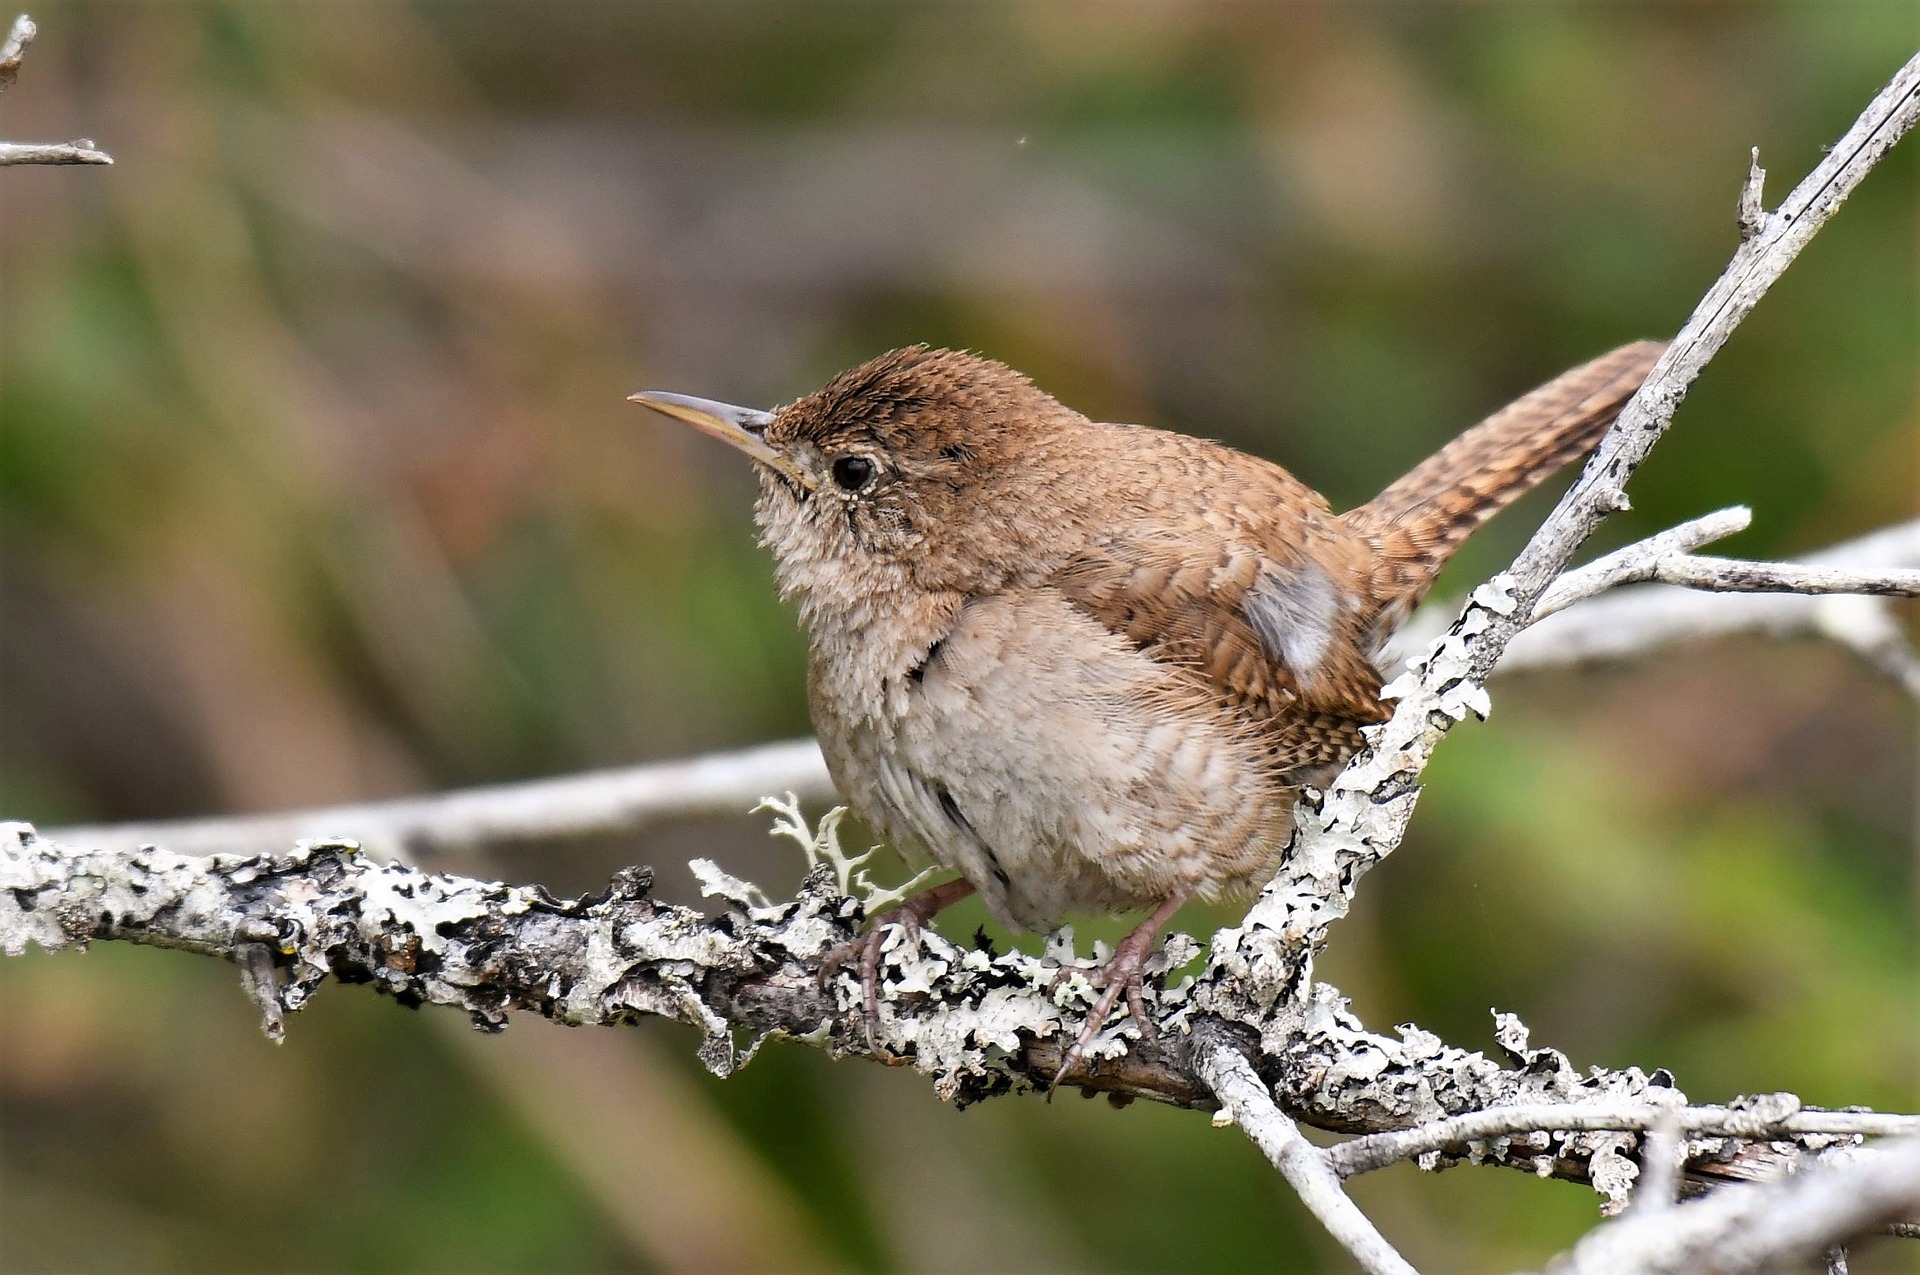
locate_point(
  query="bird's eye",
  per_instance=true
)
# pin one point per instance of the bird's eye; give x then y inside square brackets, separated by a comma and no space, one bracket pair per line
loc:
[852,472]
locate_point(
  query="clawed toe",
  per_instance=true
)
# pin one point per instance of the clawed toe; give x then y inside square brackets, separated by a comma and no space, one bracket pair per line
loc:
[910,915]
[1122,975]
[869,947]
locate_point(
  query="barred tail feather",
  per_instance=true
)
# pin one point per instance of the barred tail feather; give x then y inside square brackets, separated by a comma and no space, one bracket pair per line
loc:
[1421,519]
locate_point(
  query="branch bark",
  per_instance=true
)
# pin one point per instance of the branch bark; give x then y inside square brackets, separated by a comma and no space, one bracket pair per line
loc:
[1760,1228]
[602,802]
[1244,1097]
[79,151]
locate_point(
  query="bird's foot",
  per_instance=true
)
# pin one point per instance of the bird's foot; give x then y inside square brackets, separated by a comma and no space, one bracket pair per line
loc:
[1122,975]
[911,915]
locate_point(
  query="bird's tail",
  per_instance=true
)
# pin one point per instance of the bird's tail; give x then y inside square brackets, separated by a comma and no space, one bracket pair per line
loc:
[1420,520]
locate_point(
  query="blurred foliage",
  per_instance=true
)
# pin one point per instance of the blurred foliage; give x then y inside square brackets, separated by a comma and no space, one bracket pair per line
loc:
[316,483]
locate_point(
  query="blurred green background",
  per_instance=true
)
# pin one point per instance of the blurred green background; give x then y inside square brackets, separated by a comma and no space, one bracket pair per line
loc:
[318,484]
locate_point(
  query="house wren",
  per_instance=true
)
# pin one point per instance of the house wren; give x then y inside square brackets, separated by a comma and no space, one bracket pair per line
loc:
[1090,667]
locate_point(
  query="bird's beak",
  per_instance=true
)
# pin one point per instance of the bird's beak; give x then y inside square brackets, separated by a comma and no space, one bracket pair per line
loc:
[741,427]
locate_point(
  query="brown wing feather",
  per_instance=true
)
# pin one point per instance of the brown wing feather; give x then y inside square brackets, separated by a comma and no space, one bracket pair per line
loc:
[1191,592]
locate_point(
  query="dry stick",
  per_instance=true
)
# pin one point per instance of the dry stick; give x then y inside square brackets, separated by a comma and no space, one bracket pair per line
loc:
[1770,243]
[1243,1095]
[78,151]
[1643,618]
[1667,558]
[14,49]
[1634,562]
[1762,1227]
[596,803]
[1755,1121]
[1663,1159]
[1734,575]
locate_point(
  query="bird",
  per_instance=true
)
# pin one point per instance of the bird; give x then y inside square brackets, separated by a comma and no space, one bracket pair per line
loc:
[1091,667]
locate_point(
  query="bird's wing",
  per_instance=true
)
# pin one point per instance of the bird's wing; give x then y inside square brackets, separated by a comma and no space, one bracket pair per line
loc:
[1260,602]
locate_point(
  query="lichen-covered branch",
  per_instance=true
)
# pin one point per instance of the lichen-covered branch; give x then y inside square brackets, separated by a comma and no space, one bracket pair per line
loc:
[1244,1097]
[978,1023]
[1766,1227]
[80,151]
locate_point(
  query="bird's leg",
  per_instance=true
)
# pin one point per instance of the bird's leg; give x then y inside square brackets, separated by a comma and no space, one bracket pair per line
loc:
[910,914]
[1121,977]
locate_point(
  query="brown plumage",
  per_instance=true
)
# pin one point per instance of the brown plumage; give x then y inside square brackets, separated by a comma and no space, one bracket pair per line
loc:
[1090,666]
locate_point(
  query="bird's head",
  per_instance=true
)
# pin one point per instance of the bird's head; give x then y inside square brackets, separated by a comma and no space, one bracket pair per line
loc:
[920,464]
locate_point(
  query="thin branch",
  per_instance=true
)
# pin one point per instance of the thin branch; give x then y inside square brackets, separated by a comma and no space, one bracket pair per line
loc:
[1757,264]
[1243,1096]
[1769,1117]
[1732,575]
[1636,561]
[1667,558]
[1640,619]
[1663,1158]
[79,151]
[1753,212]
[1763,1227]
[596,803]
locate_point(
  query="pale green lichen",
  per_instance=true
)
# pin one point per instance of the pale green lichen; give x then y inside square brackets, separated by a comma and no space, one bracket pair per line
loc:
[821,843]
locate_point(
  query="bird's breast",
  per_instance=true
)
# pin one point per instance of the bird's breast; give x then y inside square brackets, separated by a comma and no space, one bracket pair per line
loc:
[1055,765]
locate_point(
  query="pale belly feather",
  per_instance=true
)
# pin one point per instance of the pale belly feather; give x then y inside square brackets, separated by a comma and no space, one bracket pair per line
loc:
[1057,783]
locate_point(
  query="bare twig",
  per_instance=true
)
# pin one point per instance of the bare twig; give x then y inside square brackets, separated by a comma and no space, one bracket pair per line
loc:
[1639,619]
[1732,575]
[1759,261]
[1663,1157]
[79,151]
[1667,558]
[1753,212]
[1636,561]
[1761,1227]
[598,802]
[1243,1095]
[1765,1118]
